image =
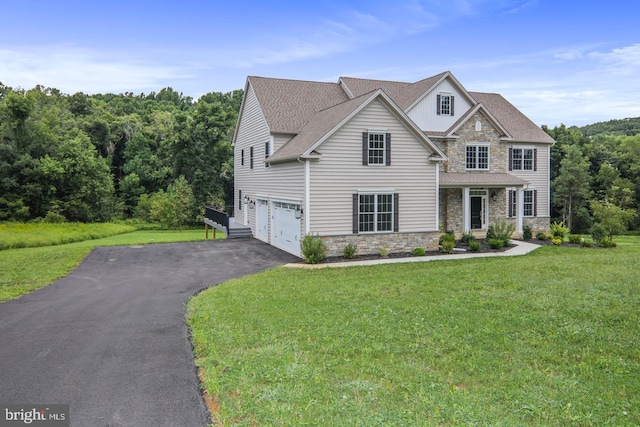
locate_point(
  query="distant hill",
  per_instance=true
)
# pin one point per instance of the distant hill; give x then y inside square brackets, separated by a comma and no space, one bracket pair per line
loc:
[628,126]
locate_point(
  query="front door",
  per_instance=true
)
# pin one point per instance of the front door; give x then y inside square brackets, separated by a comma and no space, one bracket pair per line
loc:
[478,209]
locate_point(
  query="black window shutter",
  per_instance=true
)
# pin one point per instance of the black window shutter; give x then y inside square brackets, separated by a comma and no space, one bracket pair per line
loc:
[452,98]
[395,212]
[365,148]
[510,158]
[438,105]
[387,148]
[511,200]
[535,202]
[355,214]
[535,159]
[239,200]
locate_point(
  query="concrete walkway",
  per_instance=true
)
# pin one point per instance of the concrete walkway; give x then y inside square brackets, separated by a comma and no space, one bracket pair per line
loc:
[520,248]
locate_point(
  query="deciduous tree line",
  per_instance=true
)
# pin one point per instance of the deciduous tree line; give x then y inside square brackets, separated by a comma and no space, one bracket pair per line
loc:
[595,179]
[163,156]
[160,156]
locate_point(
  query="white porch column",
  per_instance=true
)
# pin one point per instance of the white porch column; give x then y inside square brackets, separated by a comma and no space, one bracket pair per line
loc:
[466,210]
[519,208]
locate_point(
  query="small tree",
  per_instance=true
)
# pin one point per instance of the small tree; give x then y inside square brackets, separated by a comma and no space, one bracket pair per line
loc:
[612,218]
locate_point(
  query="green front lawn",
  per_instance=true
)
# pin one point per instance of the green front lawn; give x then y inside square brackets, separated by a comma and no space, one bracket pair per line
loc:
[551,338]
[28,269]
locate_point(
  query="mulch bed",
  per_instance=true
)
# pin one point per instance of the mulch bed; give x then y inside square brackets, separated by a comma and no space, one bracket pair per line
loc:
[485,248]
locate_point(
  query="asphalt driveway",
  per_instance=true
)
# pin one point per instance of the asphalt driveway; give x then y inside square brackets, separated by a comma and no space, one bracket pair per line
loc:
[110,339]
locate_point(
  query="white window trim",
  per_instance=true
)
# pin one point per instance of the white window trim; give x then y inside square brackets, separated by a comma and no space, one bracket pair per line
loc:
[384,147]
[533,210]
[375,211]
[448,95]
[478,144]
[522,169]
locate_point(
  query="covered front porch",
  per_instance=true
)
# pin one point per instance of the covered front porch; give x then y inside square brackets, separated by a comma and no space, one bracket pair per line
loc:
[471,202]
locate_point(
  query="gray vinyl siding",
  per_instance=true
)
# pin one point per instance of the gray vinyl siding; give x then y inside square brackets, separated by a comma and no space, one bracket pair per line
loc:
[340,173]
[539,179]
[283,181]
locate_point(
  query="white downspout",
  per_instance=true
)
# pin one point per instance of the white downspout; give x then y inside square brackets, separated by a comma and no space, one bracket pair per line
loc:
[307,200]
[438,197]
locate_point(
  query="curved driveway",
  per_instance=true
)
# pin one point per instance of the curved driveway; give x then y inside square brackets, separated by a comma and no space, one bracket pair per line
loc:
[110,339]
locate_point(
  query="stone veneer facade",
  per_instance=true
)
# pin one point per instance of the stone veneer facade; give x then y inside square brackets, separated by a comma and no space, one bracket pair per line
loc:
[371,244]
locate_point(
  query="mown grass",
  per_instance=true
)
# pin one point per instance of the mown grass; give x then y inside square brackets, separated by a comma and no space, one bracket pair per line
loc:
[551,338]
[14,235]
[25,270]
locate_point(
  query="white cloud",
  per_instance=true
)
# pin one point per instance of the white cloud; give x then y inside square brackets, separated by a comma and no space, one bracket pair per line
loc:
[627,57]
[72,68]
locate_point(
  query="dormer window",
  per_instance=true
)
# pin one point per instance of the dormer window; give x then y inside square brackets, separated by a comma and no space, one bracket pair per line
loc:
[444,104]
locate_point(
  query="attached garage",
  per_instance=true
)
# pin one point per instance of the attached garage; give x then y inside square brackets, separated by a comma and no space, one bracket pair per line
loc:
[286,227]
[262,220]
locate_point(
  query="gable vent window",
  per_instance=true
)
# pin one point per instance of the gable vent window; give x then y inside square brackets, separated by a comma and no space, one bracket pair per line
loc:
[444,104]
[376,149]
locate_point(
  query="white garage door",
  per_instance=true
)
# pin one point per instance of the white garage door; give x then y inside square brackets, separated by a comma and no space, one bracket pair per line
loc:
[262,220]
[286,228]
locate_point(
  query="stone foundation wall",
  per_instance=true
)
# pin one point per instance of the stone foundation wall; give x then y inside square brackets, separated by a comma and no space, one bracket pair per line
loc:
[370,244]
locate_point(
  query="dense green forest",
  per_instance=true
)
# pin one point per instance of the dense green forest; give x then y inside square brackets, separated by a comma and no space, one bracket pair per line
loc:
[160,156]
[595,175]
[163,156]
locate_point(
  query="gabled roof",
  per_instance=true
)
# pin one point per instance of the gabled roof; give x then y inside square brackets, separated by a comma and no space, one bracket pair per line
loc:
[519,126]
[466,116]
[326,122]
[288,105]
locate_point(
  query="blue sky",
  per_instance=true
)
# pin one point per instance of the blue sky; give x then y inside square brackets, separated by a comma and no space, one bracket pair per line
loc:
[572,62]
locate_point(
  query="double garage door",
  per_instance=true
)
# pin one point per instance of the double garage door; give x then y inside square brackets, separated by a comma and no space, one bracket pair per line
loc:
[285,227]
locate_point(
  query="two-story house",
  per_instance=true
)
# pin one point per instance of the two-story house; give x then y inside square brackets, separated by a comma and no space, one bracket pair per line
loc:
[384,164]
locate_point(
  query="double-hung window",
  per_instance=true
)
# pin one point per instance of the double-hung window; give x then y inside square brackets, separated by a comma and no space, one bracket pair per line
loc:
[250,157]
[529,203]
[375,212]
[444,104]
[522,159]
[477,157]
[376,148]
[267,151]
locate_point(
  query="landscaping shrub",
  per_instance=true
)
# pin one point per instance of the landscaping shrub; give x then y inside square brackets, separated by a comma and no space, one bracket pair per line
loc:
[586,243]
[526,232]
[496,243]
[598,233]
[559,230]
[350,251]
[542,236]
[467,238]
[313,248]
[556,241]
[474,246]
[501,230]
[448,236]
[384,252]
[447,247]
[606,243]
[419,252]
[575,238]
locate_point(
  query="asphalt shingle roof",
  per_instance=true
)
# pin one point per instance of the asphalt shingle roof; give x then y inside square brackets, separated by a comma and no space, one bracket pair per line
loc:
[310,108]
